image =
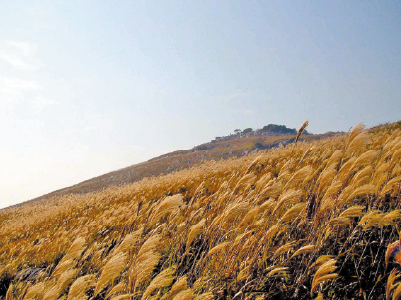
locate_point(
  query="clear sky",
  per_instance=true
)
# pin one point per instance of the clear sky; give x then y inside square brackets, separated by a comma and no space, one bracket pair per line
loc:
[88,87]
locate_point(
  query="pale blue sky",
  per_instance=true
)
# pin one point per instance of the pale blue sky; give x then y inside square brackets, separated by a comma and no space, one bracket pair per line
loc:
[87,87]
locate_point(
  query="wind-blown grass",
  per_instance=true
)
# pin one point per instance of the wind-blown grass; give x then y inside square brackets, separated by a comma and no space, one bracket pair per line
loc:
[318,219]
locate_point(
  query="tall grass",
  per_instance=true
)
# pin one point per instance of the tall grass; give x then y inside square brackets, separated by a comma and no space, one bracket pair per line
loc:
[309,220]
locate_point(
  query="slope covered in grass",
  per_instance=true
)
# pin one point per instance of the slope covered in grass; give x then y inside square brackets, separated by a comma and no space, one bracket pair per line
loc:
[179,160]
[311,220]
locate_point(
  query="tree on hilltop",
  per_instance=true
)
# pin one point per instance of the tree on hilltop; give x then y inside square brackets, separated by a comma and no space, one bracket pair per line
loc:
[279,129]
[247,130]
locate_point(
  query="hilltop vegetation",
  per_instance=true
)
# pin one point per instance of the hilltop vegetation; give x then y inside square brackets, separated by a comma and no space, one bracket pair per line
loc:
[311,220]
[268,130]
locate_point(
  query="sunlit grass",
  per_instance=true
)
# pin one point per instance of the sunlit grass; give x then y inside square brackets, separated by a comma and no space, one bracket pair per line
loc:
[313,219]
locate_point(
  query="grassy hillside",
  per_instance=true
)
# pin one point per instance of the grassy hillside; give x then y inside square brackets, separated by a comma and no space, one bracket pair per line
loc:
[313,220]
[179,160]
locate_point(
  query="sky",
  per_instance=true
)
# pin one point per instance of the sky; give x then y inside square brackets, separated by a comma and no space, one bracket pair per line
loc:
[88,87]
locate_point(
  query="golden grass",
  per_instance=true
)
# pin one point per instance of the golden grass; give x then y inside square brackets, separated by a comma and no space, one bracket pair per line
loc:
[179,286]
[145,261]
[280,221]
[168,205]
[303,250]
[195,231]
[111,271]
[322,274]
[36,291]
[353,211]
[162,280]
[80,286]
[390,283]
[301,130]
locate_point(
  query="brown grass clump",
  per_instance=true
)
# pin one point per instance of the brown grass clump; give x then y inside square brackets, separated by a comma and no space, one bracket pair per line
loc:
[180,285]
[129,241]
[282,271]
[111,271]
[390,283]
[354,211]
[80,286]
[194,232]
[301,130]
[145,262]
[116,289]
[169,205]
[322,274]
[185,295]
[162,280]
[390,185]
[367,189]
[303,250]
[218,248]
[36,291]
[288,198]
[292,213]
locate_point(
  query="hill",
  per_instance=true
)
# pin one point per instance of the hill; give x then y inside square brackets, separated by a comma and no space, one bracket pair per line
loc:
[312,220]
[227,147]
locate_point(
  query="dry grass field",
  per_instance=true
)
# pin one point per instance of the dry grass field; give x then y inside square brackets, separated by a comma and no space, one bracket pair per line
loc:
[312,220]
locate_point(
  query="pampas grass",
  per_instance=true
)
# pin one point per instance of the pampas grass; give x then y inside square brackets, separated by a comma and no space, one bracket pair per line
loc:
[283,249]
[76,249]
[292,213]
[390,283]
[129,241]
[180,285]
[205,296]
[168,205]
[111,271]
[80,286]
[304,250]
[288,198]
[162,280]
[351,212]
[299,176]
[323,274]
[282,271]
[185,295]
[390,185]
[36,291]
[358,129]
[195,231]
[146,260]
[359,143]
[279,221]
[116,289]
[301,130]
[218,248]
[367,189]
